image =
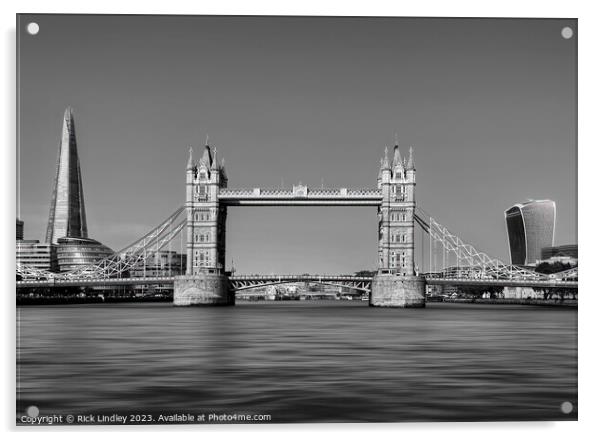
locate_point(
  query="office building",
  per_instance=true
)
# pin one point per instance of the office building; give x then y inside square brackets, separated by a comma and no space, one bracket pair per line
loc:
[161,264]
[530,227]
[567,254]
[67,227]
[19,229]
[67,217]
[36,255]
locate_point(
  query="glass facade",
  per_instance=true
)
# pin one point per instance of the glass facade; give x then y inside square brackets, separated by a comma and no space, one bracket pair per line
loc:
[67,217]
[73,253]
[516,236]
[530,228]
[19,229]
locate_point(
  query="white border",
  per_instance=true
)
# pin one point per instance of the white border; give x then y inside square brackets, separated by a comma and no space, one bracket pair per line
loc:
[590,76]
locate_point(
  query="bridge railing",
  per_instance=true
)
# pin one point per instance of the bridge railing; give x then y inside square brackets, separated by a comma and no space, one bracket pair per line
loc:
[236,191]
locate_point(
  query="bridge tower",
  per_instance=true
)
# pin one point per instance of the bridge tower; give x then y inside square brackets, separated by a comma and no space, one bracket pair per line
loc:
[396,284]
[205,281]
[206,221]
[397,182]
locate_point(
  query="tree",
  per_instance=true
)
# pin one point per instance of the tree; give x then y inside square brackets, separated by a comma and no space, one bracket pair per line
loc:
[476,291]
[365,273]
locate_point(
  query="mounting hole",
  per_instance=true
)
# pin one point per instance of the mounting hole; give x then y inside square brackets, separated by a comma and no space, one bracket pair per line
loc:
[33,28]
[567,33]
[566,407]
[33,411]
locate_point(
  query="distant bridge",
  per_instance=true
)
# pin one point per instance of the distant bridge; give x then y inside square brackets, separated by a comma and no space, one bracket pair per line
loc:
[245,282]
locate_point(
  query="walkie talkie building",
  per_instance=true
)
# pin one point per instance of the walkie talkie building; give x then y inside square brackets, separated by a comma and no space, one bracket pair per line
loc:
[530,228]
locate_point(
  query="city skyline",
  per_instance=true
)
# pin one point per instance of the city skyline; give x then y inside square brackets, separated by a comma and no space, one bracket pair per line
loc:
[136,180]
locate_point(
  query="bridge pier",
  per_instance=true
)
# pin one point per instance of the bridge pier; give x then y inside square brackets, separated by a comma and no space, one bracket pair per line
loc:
[202,289]
[389,290]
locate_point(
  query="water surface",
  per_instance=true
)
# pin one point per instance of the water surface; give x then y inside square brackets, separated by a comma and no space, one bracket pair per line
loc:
[300,361]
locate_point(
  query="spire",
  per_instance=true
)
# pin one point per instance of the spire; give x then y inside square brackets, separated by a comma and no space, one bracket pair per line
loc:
[190,160]
[396,156]
[206,159]
[68,118]
[214,163]
[223,168]
[67,217]
[396,141]
[411,165]
[385,161]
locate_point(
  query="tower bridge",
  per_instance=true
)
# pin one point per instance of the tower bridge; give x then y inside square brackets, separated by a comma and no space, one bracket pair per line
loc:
[202,222]
[208,198]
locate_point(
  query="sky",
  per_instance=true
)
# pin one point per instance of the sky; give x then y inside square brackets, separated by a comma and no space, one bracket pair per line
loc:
[489,106]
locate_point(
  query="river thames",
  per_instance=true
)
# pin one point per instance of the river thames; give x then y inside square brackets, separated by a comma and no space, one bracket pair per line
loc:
[300,361]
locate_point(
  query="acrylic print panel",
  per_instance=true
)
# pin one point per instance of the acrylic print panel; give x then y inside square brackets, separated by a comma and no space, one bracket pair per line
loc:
[392,238]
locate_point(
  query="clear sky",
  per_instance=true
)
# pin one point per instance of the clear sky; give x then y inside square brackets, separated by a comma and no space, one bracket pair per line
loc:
[489,106]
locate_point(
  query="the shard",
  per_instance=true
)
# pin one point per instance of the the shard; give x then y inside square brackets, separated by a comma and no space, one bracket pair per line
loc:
[67,216]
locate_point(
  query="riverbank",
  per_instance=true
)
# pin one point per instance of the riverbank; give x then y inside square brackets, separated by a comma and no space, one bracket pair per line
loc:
[514,301]
[59,300]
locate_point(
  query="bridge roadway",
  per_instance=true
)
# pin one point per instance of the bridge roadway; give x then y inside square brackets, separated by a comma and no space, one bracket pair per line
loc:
[243,282]
[300,196]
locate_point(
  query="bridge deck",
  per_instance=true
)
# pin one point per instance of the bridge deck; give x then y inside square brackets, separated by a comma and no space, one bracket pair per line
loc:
[246,281]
